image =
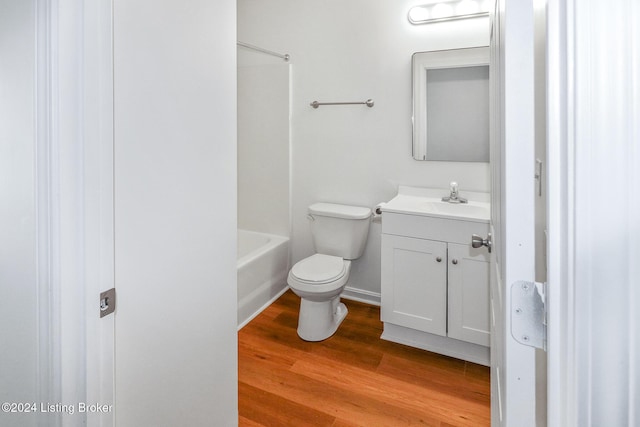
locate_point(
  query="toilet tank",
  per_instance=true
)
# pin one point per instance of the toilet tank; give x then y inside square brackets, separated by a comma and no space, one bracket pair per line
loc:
[339,230]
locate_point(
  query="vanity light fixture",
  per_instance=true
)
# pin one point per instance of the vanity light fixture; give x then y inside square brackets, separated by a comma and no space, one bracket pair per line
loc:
[448,10]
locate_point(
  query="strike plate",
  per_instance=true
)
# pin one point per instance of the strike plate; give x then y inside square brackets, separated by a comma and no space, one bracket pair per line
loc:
[107,302]
[528,324]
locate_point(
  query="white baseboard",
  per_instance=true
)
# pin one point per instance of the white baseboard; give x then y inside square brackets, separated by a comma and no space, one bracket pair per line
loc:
[442,345]
[361,295]
[263,307]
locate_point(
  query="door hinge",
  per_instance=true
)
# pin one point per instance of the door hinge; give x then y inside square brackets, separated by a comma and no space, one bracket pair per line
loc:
[107,302]
[529,314]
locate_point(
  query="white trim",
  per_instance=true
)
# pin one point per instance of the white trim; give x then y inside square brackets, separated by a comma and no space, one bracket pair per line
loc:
[561,378]
[74,163]
[361,295]
[593,133]
[442,345]
[98,202]
[48,346]
[264,306]
[68,113]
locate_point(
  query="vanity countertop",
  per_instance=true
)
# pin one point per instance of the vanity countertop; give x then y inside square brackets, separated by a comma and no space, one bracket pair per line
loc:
[428,202]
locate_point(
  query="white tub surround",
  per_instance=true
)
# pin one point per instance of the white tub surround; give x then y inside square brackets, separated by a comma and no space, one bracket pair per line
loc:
[263,263]
[263,179]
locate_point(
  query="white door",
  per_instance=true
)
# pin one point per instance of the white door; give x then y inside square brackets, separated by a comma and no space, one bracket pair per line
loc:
[151,220]
[175,212]
[517,400]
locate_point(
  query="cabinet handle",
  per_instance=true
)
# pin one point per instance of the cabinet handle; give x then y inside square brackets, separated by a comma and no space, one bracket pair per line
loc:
[454,262]
[439,259]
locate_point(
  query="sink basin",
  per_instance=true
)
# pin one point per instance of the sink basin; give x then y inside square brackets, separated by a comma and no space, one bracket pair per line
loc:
[428,202]
[458,209]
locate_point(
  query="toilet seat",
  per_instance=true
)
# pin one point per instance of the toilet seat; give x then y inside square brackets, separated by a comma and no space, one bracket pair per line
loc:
[319,269]
[319,274]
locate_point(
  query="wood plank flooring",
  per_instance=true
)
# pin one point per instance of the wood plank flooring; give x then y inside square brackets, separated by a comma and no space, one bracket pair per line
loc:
[351,379]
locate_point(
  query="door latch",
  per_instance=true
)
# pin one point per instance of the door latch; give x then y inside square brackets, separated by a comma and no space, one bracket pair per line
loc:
[107,302]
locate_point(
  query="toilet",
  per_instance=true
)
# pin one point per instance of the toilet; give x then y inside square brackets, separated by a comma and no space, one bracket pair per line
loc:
[339,235]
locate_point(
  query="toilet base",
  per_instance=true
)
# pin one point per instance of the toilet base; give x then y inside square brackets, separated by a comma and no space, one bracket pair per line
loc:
[320,320]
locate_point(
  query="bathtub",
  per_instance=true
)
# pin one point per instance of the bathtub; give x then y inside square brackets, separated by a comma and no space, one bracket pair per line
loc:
[263,264]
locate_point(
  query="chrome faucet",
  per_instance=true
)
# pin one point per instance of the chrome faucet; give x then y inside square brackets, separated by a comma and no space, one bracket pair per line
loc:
[454,197]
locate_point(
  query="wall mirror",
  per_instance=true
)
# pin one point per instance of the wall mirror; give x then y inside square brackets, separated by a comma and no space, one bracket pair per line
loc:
[451,105]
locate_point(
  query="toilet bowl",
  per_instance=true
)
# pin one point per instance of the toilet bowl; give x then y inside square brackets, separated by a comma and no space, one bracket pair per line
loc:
[339,235]
[319,280]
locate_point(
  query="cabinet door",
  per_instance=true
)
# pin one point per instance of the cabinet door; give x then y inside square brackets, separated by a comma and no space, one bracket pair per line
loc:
[469,294]
[414,283]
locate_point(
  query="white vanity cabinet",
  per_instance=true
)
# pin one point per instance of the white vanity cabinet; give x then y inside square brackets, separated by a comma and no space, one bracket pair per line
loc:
[435,286]
[414,283]
[468,294]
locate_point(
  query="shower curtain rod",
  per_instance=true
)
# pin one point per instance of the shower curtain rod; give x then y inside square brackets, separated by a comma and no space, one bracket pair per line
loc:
[284,56]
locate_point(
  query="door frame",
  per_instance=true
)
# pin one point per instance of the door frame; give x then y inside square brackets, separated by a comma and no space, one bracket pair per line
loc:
[561,378]
[98,133]
[74,176]
[593,134]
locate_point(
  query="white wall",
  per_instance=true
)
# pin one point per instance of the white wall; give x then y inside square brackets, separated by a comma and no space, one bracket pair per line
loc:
[18,281]
[351,51]
[263,143]
[175,212]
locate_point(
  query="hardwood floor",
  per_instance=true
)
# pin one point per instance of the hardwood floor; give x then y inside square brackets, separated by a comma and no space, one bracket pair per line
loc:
[351,379]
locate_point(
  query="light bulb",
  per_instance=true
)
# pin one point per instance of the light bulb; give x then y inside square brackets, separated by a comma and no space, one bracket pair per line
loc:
[442,10]
[418,14]
[467,7]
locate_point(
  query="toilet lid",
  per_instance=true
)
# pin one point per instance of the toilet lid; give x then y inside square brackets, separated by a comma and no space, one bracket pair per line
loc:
[319,268]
